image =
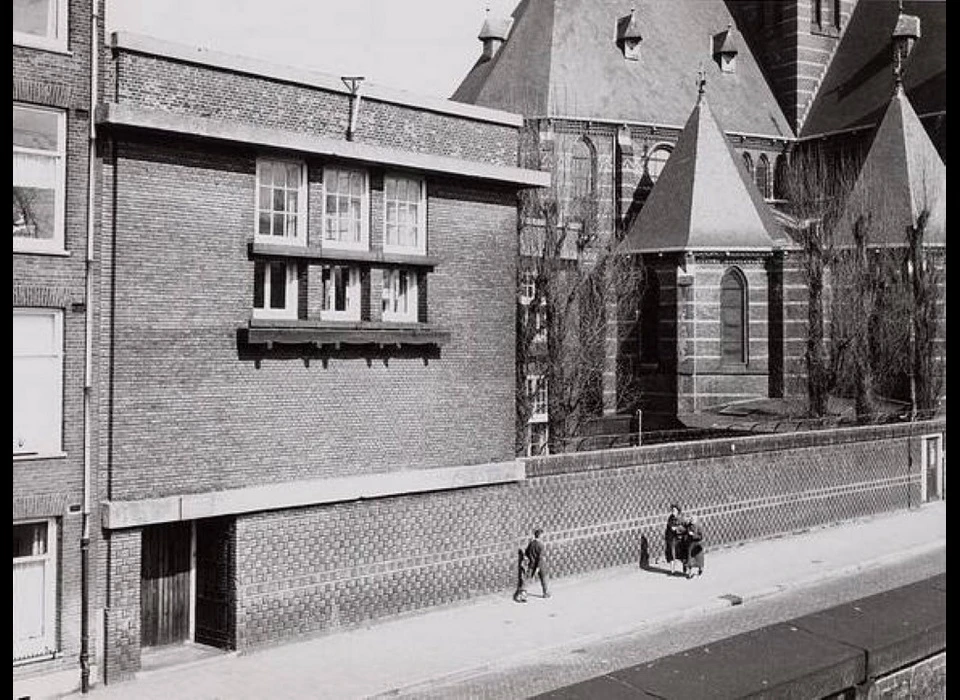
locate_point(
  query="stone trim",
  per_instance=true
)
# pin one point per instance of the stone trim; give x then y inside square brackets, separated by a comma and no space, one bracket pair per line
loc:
[117,115]
[296,494]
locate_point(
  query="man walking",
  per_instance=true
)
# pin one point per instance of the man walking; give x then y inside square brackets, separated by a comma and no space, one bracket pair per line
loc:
[536,560]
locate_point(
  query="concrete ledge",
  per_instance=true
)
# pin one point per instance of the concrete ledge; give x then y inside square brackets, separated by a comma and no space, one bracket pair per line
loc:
[122,115]
[295,494]
[139,43]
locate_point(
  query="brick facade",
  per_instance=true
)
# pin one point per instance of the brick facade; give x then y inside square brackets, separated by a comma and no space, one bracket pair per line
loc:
[53,487]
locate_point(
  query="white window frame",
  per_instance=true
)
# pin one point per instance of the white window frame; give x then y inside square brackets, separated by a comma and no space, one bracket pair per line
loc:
[537,316]
[544,447]
[391,295]
[301,214]
[331,243]
[421,246]
[58,22]
[45,645]
[924,465]
[353,300]
[288,312]
[55,446]
[537,396]
[54,245]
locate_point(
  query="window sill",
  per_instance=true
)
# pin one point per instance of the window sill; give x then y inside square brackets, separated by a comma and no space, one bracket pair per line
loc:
[54,253]
[319,333]
[28,41]
[44,656]
[341,255]
[33,457]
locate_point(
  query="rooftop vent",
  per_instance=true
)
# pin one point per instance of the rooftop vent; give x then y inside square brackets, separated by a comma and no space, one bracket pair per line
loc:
[493,33]
[628,36]
[726,45]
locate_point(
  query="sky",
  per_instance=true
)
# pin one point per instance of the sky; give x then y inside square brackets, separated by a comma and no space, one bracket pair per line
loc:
[424,46]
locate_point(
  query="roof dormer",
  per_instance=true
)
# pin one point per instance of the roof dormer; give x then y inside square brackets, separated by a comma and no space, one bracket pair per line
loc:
[726,46]
[628,36]
[493,33]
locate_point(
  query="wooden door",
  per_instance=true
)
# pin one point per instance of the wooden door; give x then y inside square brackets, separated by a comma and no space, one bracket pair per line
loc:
[165,583]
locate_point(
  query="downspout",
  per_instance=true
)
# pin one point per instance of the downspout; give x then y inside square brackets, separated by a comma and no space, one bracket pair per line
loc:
[88,357]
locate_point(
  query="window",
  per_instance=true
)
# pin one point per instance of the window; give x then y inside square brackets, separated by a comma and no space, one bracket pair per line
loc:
[733,316]
[748,164]
[932,475]
[37,382]
[657,160]
[650,319]
[399,295]
[345,205]
[534,318]
[405,216]
[40,23]
[763,177]
[340,294]
[780,177]
[39,138]
[34,588]
[581,172]
[826,14]
[537,423]
[281,204]
[275,289]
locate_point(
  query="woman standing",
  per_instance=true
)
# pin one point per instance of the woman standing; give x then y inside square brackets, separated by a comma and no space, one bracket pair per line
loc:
[693,554]
[671,538]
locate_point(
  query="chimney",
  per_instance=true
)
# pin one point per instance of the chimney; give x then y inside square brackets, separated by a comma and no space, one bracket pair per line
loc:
[493,33]
[628,36]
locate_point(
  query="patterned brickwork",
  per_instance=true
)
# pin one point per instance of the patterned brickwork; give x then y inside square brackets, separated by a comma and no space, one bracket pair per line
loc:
[926,680]
[314,569]
[122,614]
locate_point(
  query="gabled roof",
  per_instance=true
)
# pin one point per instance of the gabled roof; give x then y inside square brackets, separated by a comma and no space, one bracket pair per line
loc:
[562,59]
[704,199]
[901,176]
[857,87]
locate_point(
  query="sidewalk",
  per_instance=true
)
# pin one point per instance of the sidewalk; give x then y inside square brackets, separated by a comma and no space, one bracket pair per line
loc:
[442,643]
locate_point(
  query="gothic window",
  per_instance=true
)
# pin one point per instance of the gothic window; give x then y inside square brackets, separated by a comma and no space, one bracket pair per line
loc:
[748,164]
[780,177]
[657,160]
[581,171]
[650,319]
[733,318]
[763,177]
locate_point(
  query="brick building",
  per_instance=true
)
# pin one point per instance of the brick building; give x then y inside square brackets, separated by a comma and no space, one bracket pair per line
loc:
[307,299]
[53,444]
[606,89]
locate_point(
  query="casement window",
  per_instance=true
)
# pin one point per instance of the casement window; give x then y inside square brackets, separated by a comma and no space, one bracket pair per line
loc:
[37,382]
[537,424]
[281,202]
[400,295]
[34,588]
[41,24]
[39,145]
[340,294]
[534,316]
[275,289]
[657,158]
[345,209]
[405,214]
[733,318]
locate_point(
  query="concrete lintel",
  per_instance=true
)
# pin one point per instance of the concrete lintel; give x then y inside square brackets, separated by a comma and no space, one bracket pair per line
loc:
[202,127]
[294,494]
[140,43]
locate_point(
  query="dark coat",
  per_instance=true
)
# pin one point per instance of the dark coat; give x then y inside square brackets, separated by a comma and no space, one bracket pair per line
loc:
[693,554]
[671,537]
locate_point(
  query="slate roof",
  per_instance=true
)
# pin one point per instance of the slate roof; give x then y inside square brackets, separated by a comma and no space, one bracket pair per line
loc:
[901,175]
[561,59]
[857,86]
[704,199]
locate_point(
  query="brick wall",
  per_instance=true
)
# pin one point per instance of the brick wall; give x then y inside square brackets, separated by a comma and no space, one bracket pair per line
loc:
[168,85]
[926,680]
[122,612]
[193,409]
[351,562]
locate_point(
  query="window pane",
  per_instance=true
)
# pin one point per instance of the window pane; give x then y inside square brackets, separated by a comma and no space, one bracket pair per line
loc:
[292,225]
[34,17]
[278,285]
[35,128]
[293,175]
[264,198]
[356,186]
[29,539]
[264,226]
[36,404]
[278,224]
[278,200]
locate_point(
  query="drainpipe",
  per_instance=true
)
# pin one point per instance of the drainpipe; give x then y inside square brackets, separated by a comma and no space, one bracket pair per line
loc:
[353,85]
[88,358]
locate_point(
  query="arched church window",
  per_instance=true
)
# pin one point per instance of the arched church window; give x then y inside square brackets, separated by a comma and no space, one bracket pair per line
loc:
[748,164]
[763,176]
[581,171]
[780,177]
[650,318]
[657,158]
[733,317]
